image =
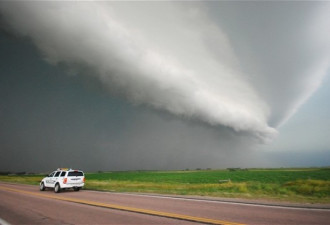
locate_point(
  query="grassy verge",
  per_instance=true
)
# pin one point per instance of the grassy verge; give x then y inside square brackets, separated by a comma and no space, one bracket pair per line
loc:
[311,191]
[22,179]
[293,185]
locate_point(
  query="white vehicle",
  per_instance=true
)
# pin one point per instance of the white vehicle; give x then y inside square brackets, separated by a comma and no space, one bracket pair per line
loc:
[62,179]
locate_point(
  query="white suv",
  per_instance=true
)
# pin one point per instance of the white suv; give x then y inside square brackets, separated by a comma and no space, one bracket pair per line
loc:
[63,179]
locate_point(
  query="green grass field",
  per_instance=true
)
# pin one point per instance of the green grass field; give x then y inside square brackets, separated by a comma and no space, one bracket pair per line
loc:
[294,185]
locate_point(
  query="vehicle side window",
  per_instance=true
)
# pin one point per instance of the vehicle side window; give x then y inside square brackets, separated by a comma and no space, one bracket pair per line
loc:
[57,174]
[63,174]
[51,175]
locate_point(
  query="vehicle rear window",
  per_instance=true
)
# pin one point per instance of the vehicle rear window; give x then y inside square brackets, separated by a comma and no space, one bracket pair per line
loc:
[75,174]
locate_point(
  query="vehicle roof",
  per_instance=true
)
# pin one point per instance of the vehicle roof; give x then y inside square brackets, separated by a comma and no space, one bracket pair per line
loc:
[67,169]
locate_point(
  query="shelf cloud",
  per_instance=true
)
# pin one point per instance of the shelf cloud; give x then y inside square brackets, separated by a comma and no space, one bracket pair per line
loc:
[225,65]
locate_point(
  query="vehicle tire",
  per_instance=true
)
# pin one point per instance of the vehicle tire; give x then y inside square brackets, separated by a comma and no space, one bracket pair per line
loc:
[42,186]
[76,188]
[57,188]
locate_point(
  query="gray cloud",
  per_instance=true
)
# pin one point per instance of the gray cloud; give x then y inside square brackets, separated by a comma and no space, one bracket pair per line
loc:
[163,63]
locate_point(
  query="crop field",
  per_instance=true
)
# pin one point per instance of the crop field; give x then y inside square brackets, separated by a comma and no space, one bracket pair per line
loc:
[292,185]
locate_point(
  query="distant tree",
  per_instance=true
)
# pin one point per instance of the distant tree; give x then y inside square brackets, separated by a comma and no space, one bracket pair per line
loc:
[20,173]
[233,169]
[5,172]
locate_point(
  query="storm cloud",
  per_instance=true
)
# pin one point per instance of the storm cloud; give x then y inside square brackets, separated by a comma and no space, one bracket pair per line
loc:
[237,67]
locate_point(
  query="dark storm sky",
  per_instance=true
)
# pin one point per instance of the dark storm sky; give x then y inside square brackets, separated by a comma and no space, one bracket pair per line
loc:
[65,114]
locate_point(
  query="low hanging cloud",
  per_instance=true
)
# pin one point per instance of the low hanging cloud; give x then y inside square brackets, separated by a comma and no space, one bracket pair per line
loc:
[185,59]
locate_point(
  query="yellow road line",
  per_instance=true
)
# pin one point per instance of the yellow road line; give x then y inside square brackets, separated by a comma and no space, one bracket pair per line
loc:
[125,208]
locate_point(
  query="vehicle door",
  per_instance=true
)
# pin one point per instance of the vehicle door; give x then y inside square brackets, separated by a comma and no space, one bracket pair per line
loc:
[62,177]
[55,178]
[48,179]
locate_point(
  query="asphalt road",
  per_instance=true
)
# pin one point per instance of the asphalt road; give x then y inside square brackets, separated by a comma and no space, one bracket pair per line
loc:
[25,204]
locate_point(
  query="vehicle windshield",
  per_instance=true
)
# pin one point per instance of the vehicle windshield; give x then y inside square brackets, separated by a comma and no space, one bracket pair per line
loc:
[51,174]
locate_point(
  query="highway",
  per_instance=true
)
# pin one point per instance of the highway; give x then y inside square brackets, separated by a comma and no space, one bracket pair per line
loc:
[25,204]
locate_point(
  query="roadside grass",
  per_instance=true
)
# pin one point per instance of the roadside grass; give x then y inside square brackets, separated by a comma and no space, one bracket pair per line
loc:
[309,191]
[22,179]
[292,185]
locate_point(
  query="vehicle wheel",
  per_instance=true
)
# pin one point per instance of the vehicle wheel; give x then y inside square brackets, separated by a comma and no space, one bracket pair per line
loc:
[57,188]
[42,186]
[76,188]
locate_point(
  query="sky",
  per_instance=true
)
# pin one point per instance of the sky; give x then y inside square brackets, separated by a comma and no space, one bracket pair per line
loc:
[105,86]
